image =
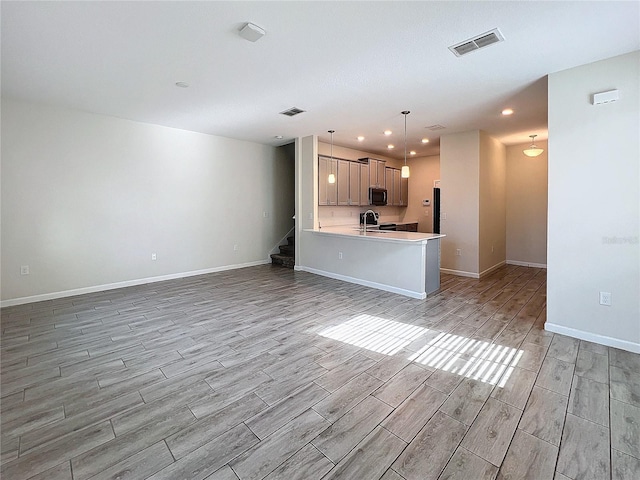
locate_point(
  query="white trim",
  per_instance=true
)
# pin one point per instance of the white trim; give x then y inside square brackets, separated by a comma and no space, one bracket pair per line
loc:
[366,283]
[491,269]
[459,273]
[526,264]
[593,337]
[128,283]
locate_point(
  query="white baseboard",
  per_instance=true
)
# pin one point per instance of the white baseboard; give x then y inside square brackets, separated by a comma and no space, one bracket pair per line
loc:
[526,264]
[365,283]
[593,337]
[491,269]
[459,273]
[128,283]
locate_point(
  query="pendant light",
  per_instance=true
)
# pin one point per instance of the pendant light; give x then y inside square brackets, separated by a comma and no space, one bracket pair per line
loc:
[532,151]
[332,176]
[405,168]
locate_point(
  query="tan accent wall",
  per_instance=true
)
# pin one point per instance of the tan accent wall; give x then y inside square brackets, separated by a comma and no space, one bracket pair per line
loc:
[527,206]
[460,194]
[424,171]
[492,203]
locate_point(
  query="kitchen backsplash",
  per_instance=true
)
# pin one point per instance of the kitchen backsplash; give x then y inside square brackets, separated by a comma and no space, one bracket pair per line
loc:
[332,216]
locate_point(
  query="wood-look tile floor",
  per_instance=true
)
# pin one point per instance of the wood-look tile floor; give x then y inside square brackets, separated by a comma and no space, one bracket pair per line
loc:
[269,373]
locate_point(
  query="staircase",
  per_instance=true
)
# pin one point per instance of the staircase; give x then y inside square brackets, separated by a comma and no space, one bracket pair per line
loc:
[286,257]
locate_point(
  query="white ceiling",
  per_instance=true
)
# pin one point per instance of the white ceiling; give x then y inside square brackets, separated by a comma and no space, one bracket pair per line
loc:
[353,66]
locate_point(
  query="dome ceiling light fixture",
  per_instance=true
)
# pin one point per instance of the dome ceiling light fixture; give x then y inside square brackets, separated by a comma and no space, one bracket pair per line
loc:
[533,151]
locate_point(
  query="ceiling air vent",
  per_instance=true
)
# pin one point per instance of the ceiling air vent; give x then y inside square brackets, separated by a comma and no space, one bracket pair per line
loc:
[435,127]
[292,112]
[481,41]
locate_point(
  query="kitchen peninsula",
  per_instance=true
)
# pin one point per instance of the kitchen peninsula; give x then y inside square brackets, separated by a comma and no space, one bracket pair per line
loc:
[402,262]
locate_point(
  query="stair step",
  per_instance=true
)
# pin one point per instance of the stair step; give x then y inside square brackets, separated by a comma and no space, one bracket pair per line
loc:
[284,260]
[291,240]
[288,250]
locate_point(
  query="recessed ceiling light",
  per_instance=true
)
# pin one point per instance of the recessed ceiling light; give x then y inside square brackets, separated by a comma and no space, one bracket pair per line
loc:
[360,138]
[182,84]
[507,111]
[412,152]
[390,147]
[388,132]
[425,140]
[279,137]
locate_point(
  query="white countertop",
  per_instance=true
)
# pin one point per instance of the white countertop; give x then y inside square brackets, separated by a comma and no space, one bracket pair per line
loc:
[375,234]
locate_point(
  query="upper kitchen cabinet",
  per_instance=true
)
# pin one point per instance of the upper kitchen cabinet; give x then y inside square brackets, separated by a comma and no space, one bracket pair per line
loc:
[354,183]
[388,175]
[343,182]
[376,172]
[364,184]
[327,192]
[404,190]
[395,194]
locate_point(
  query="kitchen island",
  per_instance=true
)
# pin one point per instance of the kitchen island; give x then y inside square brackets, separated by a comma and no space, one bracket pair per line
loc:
[402,262]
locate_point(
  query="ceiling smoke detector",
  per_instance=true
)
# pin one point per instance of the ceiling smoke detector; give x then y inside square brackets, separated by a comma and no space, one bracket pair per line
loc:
[435,127]
[292,112]
[478,42]
[252,32]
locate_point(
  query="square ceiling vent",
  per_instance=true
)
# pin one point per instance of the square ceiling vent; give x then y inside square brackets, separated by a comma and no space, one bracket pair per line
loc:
[292,112]
[478,42]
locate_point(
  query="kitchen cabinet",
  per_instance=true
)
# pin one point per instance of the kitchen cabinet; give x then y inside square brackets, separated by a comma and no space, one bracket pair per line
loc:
[407,227]
[377,173]
[354,183]
[343,182]
[364,184]
[404,193]
[327,192]
[397,194]
[394,183]
[388,176]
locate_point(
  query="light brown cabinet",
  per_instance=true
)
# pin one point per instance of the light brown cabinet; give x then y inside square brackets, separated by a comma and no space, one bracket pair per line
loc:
[404,193]
[343,182]
[377,173]
[364,184]
[354,183]
[397,193]
[327,192]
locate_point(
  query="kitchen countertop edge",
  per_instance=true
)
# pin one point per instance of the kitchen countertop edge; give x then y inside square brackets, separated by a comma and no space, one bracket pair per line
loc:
[352,231]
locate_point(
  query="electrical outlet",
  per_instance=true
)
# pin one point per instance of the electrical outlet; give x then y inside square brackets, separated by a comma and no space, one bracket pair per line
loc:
[443,216]
[154,256]
[235,247]
[310,216]
[339,255]
[605,298]
[265,214]
[458,252]
[24,270]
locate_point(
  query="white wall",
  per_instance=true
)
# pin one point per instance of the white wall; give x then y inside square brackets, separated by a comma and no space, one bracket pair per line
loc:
[87,198]
[459,194]
[527,206]
[594,197]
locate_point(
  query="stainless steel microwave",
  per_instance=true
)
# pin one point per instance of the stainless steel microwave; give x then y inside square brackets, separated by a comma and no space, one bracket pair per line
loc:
[377,196]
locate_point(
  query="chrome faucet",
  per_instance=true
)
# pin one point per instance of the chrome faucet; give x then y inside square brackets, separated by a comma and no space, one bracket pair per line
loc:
[364,219]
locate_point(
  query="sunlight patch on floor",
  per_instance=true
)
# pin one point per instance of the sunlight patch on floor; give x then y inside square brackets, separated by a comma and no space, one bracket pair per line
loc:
[375,333]
[469,357]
